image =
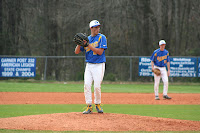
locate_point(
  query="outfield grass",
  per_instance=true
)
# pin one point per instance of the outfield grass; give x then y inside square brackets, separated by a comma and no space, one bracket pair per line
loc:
[184,112]
[114,88]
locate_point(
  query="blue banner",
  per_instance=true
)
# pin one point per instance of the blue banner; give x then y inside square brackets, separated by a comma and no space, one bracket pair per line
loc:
[179,67]
[145,66]
[17,67]
[183,67]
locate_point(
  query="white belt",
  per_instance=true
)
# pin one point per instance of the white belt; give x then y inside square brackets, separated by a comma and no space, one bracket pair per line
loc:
[159,66]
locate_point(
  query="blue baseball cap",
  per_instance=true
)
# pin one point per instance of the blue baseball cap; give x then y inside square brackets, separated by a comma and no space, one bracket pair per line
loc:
[94,23]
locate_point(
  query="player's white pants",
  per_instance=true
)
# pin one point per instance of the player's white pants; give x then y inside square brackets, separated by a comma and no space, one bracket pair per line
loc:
[164,79]
[93,72]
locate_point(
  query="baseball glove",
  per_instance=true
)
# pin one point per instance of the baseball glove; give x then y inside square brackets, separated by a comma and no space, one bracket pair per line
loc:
[156,71]
[81,39]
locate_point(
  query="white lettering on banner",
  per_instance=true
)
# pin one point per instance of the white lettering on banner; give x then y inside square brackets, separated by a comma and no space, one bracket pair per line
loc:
[7,74]
[25,74]
[145,64]
[145,70]
[8,60]
[145,74]
[186,68]
[186,63]
[23,69]
[183,68]
[192,68]
[17,74]
[191,71]
[145,59]
[181,59]
[174,74]
[17,65]
[9,69]
[10,65]
[182,63]
[27,65]
[183,74]
[21,60]
[31,60]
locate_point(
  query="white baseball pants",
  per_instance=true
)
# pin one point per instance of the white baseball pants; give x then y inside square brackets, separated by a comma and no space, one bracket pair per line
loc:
[164,79]
[93,72]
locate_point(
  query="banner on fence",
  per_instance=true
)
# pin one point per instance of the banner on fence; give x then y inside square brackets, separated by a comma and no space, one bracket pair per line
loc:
[179,67]
[183,67]
[17,67]
[145,66]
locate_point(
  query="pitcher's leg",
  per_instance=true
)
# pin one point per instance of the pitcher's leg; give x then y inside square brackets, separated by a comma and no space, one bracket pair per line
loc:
[156,84]
[98,77]
[87,85]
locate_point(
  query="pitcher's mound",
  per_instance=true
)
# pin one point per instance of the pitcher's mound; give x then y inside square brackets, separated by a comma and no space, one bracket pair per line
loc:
[77,121]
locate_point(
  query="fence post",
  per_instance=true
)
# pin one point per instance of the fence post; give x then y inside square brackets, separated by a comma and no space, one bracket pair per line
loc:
[131,68]
[45,68]
[197,65]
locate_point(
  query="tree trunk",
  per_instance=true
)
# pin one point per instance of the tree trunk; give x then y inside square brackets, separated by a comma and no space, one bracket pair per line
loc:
[177,26]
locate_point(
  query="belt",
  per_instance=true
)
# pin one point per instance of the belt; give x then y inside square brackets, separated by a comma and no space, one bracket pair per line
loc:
[92,63]
[159,66]
[95,63]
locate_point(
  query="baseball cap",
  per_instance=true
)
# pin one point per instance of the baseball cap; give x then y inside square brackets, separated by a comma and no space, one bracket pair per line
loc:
[94,23]
[162,42]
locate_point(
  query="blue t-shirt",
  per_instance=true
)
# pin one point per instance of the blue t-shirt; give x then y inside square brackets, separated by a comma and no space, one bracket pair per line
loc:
[98,41]
[160,58]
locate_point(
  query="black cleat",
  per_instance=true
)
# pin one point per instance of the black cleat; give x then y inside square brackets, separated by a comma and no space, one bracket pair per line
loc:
[166,97]
[157,98]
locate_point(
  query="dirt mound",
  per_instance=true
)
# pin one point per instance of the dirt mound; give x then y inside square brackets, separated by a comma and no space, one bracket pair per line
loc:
[77,121]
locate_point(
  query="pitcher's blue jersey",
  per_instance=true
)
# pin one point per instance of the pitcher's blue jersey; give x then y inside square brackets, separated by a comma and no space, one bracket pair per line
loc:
[160,58]
[98,41]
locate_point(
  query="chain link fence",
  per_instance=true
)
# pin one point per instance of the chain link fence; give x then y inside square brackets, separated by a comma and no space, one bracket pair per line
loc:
[71,68]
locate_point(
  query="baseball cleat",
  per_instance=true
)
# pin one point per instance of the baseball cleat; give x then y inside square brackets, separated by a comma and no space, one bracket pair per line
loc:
[157,98]
[88,110]
[166,97]
[98,108]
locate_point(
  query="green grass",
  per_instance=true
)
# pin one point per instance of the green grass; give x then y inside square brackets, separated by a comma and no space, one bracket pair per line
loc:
[39,87]
[116,88]
[184,112]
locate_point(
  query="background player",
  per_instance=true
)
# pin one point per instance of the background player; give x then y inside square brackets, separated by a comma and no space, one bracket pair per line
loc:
[160,59]
[95,66]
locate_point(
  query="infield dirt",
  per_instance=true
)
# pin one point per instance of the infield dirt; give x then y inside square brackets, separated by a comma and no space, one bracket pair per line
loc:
[107,98]
[76,121]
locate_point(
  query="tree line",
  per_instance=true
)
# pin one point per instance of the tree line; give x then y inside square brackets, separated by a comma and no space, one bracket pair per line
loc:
[132,27]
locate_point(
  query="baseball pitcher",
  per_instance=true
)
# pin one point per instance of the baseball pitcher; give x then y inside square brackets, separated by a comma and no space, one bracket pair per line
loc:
[159,61]
[94,47]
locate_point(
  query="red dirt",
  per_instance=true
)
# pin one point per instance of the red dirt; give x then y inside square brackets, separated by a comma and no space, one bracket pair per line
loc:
[107,98]
[76,121]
